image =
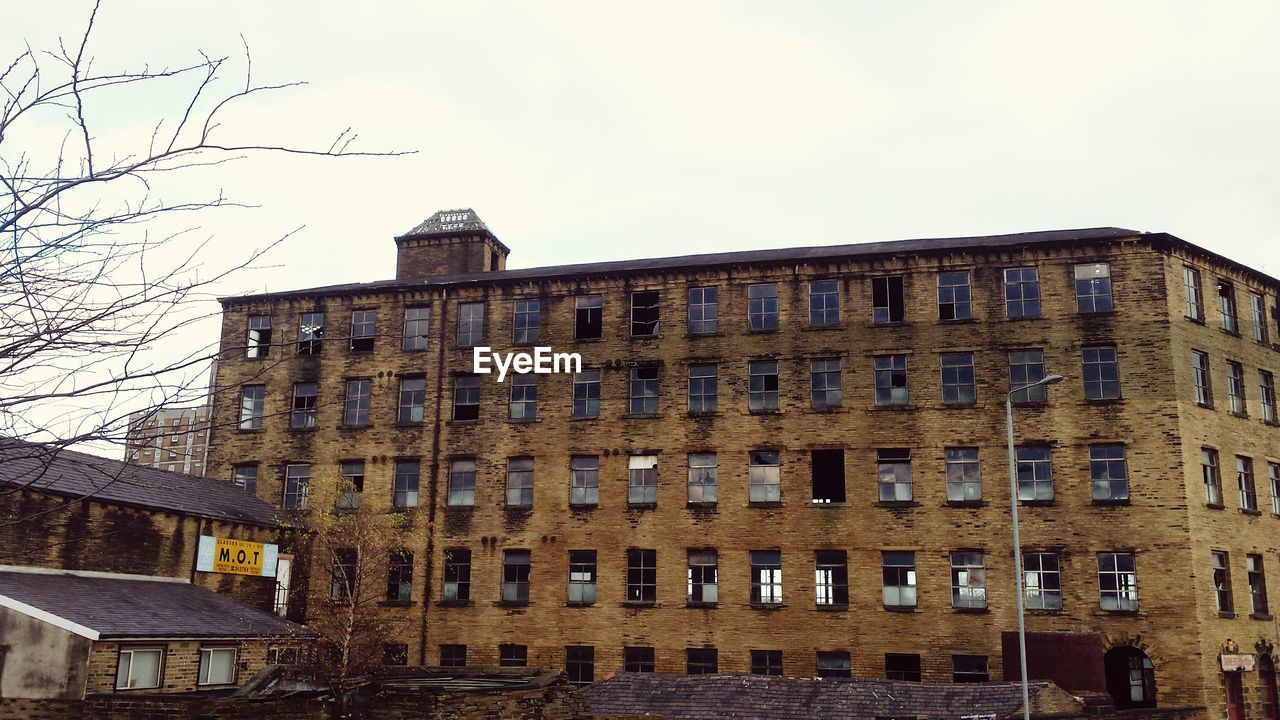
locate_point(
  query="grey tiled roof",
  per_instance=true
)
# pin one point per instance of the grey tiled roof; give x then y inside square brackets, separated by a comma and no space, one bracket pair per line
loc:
[66,473]
[123,606]
[760,697]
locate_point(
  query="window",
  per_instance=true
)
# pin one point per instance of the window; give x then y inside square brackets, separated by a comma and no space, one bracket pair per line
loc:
[520,482]
[252,401]
[700,661]
[1273,474]
[958,384]
[762,307]
[637,659]
[1101,374]
[901,666]
[1221,581]
[395,654]
[968,579]
[1244,478]
[524,397]
[894,476]
[417,326]
[584,480]
[645,311]
[642,576]
[969,669]
[955,297]
[1035,473]
[1108,472]
[824,384]
[1093,288]
[277,655]
[1200,377]
[351,485]
[304,406]
[297,484]
[1042,580]
[526,322]
[891,379]
[702,577]
[343,579]
[139,668]
[766,662]
[1257,584]
[513,655]
[586,394]
[644,390]
[462,482]
[310,333]
[1235,388]
[704,310]
[413,399]
[1022,292]
[1258,311]
[887,300]
[587,319]
[1267,395]
[833,664]
[466,397]
[1212,476]
[405,491]
[762,389]
[515,576]
[582,577]
[400,575]
[898,569]
[828,476]
[580,664]
[470,324]
[457,575]
[764,477]
[363,323]
[702,477]
[355,408]
[824,303]
[964,476]
[258,340]
[245,477]
[1118,581]
[642,480]
[703,388]
[1227,307]
[1194,293]
[831,578]
[1026,367]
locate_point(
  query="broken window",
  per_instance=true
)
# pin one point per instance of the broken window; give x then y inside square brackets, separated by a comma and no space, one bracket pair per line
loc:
[584,482]
[1221,581]
[637,659]
[404,491]
[524,397]
[252,401]
[1258,311]
[704,310]
[644,313]
[417,325]
[702,477]
[766,662]
[355,407]
[580,664]
[766,577]
[644,390]
[955,297]
[958,384]
[828,476]
[824,384]
[304,406]
[887,300]
[413,399]
[701,661]
[762,307]
[462,482]
[453,656]
[245,477]
[703,388]
[1093,288]
[588,317]
[457,575]
[1022,292]
[824,303]
[894,474]
[762,390]
[513,655]
[1035,473]
[968,579]
[526,322]
[1235,388]
[310,333]
[1273,474]
[833,664]
[1027,367]
[586,394]
[466,397]
[1118,581]
[969,669]
[1212,476]
[582,577]
[1108,472]
[1042,580]
[1102,374]
[964,476]
[297,484]
[642,480]
[1257,584]
[1193,293]
[342,576]
[902,666]
[1227,307]
[520,482]
[702,577]
[898,569]
[470,324]
[515,576]
[831,578]
[363,324]
[891,379]
[400,575]
[1267,395]
[258,340]
[1244,479]
[764,477]
[642,576]
[395,654]
[350,485]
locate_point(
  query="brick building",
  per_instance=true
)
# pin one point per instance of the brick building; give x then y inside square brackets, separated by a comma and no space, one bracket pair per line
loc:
[793,461]
[174,439]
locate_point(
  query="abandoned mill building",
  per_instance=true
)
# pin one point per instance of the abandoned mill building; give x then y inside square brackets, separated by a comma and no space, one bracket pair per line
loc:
[793,461]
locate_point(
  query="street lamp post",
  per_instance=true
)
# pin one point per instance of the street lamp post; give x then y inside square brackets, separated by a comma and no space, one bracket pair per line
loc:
[1017,542]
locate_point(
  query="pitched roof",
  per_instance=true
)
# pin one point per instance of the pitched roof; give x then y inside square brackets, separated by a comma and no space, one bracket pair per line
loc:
[762,697]
[66,473]
[108,605]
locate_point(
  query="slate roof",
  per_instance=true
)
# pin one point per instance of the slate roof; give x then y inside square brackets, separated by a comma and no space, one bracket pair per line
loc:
[125,606]
[66,473]
[761,697]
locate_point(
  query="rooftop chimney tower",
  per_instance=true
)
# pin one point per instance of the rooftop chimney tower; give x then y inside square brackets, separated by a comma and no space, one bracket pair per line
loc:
[451,242]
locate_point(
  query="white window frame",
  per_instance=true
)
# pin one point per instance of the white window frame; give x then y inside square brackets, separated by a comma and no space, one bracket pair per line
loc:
[124,666]
[206,661]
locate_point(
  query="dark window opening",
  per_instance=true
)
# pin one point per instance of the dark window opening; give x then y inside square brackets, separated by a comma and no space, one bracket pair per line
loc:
[515,576]
[580,664]
[887,301]
[1131,678]
[400,576]
[457,575]
[833,664]
[395,654]
[828,476]
[766,662]
[453,656]
[902,666]
[644,313]
[363,323]
[466,398]
[637,659]
[642,576]
[969,668]
[831,573]
[701,661]
[588,318]
[513,655]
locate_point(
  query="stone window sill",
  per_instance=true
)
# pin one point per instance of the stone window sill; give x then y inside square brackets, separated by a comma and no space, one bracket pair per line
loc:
[1037,503]
[512,603]
[900,608]
[965,503]
[701,605]
[970,610]
[1261,616]
[1215,506]
[640,605]
[1109,502]
[463,423]
[896,504]
[397,603]
[765,504]
[832,608]
[583,507]
[1253,513]
[454,603]
[767,607]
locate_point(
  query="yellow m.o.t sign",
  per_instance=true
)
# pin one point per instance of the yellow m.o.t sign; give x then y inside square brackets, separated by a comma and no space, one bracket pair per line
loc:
[236,557]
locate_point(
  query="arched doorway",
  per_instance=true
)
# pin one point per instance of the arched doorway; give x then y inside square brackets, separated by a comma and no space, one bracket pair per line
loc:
[1131,678]
[1268,698]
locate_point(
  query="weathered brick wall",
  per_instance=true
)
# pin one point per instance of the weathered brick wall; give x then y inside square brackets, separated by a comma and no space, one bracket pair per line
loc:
[427,257]
[181,668]
[154,708]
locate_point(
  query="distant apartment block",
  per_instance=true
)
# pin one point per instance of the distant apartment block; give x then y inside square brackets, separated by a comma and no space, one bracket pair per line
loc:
[174,439]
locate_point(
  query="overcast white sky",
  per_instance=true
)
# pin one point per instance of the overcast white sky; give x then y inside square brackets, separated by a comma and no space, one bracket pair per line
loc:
[603,130]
